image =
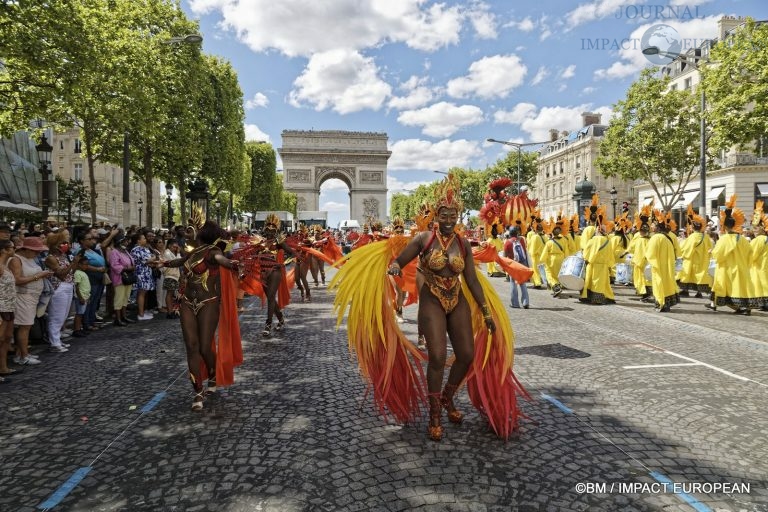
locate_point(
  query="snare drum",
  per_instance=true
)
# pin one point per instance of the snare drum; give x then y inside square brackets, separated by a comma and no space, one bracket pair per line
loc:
[543,274]
[624,273]
[712,267]
[648,273]
[678,265]
[572,272]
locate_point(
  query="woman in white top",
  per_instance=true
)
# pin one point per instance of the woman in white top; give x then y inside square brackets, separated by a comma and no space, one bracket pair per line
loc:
[7,306]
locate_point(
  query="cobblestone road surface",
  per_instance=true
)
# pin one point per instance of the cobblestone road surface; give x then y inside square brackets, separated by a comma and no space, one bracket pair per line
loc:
[622,396]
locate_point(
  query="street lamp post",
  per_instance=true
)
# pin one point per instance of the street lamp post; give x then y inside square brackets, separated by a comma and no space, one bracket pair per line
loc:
[218,212]
[614,194]
[654,50]
[141,206]
[168,192]
[68,192]
[44,150]
[519,146]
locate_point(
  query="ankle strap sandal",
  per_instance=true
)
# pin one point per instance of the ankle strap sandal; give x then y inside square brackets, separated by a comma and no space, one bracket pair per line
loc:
[197,402]
[267,330]
[435,430]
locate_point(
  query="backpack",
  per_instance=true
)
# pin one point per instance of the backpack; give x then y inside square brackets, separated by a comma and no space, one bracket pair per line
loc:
[519,252]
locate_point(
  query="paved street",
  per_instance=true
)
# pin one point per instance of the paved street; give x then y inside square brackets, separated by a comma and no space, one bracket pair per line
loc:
[622,397]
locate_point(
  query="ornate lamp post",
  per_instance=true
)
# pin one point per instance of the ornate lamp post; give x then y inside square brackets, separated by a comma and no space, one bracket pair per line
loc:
[583,197]
[44,151]
[614,195]
[519,146]
[141,206]
[198,194]
[169,191]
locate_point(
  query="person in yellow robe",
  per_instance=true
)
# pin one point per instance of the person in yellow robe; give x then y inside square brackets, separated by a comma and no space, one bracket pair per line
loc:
[598,255]
[660,253]
[536,243]
[637,247]
[555,251]
[695,252]
[759,246]
[491,268]
[572,236]
[732,286]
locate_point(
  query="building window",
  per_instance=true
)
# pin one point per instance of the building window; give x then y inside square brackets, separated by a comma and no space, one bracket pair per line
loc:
[578,162]
[687,83]
[761,193]
[114,177]
[78,146]
[673,87]
[77,172]
[561,188]
[562,166]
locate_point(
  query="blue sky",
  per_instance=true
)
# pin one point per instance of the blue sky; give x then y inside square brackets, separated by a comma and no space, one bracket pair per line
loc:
[439,77]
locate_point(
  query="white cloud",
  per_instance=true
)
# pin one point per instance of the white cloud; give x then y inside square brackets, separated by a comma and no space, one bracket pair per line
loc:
[342,80]
[524,25]
[259,100]
[394,185]
[423,155]
[538,122]
[568,72]
[519,113]
[489,77]
[588,90]
[254,133]
[333,206]
[483,22]
[298,27]
[630,57]
[592,11]
[442,119]
[333,184]
[418,94]
[541,74]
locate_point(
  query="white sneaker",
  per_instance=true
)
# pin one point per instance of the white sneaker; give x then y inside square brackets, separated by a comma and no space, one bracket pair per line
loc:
[25,361]
[59,349]
[66,332]
[145,316]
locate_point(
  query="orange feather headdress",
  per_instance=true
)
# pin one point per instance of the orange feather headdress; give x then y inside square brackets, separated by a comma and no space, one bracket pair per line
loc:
[272,220]
[759,218]
[732,212]
[643,217]
[448,194]
[695,222]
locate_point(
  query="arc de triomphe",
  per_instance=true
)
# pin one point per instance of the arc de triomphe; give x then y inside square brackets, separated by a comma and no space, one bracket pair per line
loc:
[359,159]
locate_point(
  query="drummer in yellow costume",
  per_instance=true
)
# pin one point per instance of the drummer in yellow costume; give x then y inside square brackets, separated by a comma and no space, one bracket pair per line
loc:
[536,242]
[732,286]
[555,251]
[660,253]
[591,215]
[759,246]
[572,236]
[497,244]
[695,252]
[637,247]
[599,258]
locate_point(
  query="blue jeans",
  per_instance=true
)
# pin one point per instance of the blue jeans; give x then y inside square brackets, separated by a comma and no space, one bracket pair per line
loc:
[523,294]
[97,288]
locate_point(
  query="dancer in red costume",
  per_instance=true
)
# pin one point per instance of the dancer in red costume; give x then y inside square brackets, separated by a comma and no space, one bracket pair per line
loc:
[455,298]
[302,240]
[208,303]
[264,271]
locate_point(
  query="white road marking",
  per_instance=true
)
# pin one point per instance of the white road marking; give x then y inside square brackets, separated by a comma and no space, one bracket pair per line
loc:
[659,365]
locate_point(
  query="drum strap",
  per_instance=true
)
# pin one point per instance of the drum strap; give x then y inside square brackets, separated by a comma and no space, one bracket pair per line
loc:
[702,239]
[558,245]
[604,244]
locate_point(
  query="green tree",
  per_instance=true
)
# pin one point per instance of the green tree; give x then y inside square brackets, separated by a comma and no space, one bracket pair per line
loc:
[263,189]
[507,168]
[653,136]
[736,87]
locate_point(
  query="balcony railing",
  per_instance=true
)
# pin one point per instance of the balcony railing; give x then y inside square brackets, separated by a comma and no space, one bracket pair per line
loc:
[736,160]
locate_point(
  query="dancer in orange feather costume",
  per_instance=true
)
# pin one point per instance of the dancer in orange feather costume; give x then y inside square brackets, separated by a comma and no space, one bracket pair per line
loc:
[455,298]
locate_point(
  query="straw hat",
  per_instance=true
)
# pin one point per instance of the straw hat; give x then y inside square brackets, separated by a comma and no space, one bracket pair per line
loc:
[34,243]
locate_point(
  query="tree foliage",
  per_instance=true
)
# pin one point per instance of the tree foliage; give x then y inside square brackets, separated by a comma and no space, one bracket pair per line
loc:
[507,167]
[653,136]
[264,193]
[736,87]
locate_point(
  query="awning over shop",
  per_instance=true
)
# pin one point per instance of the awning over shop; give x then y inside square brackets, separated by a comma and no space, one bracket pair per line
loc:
[18,207]
[647,201]
[714,193]
[762,189]
[690,197]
